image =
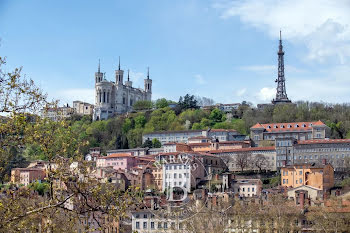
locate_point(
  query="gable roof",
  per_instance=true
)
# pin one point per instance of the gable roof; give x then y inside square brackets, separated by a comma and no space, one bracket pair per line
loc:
[288,127]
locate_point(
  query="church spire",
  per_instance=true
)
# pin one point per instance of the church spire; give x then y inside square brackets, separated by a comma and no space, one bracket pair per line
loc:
[147,72]
[119,64]
[128,76]
[99,65]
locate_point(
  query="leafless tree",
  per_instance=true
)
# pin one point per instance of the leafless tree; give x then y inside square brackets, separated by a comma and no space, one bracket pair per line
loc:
[260,161]
[242,160]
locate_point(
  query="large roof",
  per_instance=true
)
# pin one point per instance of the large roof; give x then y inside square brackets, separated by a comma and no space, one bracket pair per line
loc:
[323,141]
[246,149]
[288,127]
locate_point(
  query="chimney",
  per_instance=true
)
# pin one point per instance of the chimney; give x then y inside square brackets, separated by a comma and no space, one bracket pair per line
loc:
[302,199]
[283,163]
[324,161]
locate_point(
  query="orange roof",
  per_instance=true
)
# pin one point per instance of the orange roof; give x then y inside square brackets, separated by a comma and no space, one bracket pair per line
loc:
[267,148]
[321,141]
[200,144]
[121,155]
[287,127]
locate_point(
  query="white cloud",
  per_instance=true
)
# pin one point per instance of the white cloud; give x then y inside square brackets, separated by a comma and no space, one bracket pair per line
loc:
[323,26]
[199,79]
[69,95]
[266,94]
[241,92]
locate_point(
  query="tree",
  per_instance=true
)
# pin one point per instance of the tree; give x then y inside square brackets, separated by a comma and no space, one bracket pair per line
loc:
[260,161]
[186,102]
[204,101]
[216,115]
[156,143]
[242,160]
[148,143]
[162,103]
[60,144]
[143,105]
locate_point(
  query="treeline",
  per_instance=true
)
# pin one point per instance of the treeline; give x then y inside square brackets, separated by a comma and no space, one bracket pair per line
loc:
[125,131]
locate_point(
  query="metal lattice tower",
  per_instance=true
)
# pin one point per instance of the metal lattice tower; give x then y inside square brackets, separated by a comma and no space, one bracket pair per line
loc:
[281,94]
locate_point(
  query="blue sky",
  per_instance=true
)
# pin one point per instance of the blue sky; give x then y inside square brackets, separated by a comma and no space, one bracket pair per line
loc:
[225,50]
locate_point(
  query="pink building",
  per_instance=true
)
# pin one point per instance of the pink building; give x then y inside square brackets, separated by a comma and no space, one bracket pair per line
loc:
[117,161]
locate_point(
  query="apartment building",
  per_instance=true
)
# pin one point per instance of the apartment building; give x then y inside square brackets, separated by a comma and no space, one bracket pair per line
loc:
[263,134]
[25,176]
[317,176]
[182,136]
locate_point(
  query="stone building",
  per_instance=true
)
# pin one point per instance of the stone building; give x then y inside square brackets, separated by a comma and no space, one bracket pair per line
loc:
[117,97]
[247,187]
[268,133]
[82,108]
[335,151]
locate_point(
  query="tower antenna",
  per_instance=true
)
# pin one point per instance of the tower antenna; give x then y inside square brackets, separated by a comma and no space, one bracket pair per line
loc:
[128,75]
[147,72]
[119,64]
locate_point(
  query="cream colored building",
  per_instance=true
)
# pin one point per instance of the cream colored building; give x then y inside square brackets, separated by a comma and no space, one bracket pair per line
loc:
[248,187]
[317,176]
[82,108]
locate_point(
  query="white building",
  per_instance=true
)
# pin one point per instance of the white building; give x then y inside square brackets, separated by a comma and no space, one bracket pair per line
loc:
[144,221]
[184,135]
[248,187]
[117,97]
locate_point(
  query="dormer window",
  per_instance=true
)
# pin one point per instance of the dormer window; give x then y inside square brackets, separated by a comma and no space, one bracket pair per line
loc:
[269,126]
[289,126]
[275,126]
[303,125]
[310,124]
[282,126]
[296,126]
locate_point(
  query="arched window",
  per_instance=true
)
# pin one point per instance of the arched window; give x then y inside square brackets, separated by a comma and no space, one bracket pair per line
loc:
[100,96]
[104,97]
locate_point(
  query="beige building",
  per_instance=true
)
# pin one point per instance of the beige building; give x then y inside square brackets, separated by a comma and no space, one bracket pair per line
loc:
[25,176]
[317,176]
[247,187]
[59,113]
[82,108]
[305,195]
[267,133]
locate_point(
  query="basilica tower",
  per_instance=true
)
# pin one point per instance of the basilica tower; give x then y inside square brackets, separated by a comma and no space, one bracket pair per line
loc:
[148,86]
[119,75]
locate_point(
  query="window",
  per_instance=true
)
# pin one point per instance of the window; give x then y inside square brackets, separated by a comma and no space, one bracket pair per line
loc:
[243,189]
[137,225]
[300,172]
[174,175]
[165,225]
[145,225]
[252,189]
[301,181]
[296,181]
[145,216]
[284,181]
[159,225]
[137,216]
[152,225]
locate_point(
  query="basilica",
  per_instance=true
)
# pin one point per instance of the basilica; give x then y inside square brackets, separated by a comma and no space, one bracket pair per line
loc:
[117,97]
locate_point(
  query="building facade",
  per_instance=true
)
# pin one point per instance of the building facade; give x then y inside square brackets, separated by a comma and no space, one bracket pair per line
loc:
[317,176]
[117,97]
[268,133]
[247,187]
[82,108]
[183,136]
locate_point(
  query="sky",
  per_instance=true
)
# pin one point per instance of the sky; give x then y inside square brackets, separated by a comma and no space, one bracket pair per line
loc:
[221,49]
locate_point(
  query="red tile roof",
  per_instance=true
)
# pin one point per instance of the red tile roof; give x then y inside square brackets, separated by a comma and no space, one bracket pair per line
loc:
[121,155]
[322,141]
[268,148]
[287,127]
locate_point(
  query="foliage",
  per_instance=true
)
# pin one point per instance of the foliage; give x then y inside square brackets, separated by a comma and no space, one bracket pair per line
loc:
[156,143]
[143,105]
